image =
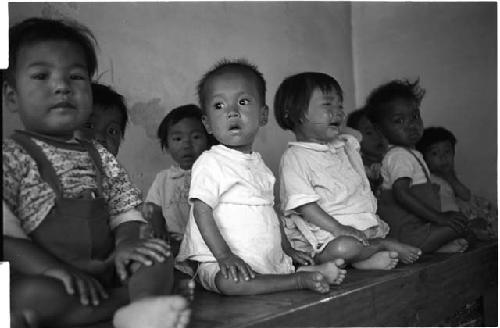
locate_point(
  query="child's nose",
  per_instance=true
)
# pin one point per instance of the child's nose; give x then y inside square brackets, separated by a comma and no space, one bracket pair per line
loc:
[61,86]
[233,111]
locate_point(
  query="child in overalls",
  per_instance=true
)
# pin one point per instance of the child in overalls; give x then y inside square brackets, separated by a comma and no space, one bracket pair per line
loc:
[72,227]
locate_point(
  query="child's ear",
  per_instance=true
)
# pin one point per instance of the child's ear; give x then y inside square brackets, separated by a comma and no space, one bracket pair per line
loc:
[206,124]
[10,97]
[264,113]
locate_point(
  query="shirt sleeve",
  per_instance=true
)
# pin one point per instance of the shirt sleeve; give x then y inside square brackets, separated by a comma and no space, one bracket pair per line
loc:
[11,225]
[121,195]
[154,192]
[399,164]
[130,215]
[205,181]
[295,186]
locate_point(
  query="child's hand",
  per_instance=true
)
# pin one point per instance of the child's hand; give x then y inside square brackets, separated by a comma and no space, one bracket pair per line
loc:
[344,230]
[143,251]
[230,265]
[455,220]
[299,256]
[79,283]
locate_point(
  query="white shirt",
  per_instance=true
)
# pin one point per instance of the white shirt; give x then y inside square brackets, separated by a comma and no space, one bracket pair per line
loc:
[239,189]
[170,191]
[399,163]
[331,175]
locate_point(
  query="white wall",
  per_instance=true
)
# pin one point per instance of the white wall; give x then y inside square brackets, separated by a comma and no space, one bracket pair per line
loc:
[452,48]
[154,53]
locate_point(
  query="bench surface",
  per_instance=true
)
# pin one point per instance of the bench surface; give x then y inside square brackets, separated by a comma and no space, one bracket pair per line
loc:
[420,294]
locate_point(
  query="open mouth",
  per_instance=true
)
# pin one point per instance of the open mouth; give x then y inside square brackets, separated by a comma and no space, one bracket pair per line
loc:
[64,105]
[234,127]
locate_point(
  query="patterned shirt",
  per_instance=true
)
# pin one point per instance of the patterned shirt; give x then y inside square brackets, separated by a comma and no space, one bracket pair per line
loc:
[30,198]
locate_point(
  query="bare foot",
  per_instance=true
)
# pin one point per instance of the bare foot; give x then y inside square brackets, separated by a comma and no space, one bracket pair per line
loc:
[379,261]
[455,246]
[154,312]
[406,253]
[313,281]
[332,271]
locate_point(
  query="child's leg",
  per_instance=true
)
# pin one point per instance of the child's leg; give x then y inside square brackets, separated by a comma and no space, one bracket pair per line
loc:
[53,307]
[441,236]
[406,253]
[361,256]
[332,271]
[146,281]
[270,283]
[155,312]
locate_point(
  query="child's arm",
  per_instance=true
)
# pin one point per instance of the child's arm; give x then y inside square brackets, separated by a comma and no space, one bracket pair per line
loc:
[461,191]
[229,263]
[298,256]
[130,247]
[313,213]
[404,196]
[154,215]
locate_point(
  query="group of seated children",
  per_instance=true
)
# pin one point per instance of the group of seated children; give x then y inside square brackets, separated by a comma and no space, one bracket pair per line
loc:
[74,224]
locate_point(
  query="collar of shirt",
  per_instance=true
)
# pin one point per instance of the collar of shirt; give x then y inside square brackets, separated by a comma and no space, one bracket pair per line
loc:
[332,146]
[176,172]
[235,154]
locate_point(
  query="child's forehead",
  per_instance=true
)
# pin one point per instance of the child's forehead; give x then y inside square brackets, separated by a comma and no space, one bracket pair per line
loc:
[185,123]
[40,50]
[401,106]
[235,73]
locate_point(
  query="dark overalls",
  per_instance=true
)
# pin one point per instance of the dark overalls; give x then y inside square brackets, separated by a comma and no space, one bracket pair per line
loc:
[405,225]
[76,230]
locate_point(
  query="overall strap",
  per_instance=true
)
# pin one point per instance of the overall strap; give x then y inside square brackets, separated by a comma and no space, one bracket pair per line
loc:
[421,165]
[47,171]
[96,160]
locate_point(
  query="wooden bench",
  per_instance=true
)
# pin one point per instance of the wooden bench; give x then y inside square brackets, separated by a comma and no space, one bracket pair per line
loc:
[421,294]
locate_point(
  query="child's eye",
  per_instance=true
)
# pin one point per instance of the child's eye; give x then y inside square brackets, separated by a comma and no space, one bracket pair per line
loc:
[218,105]
[113,131]
[244,102]
[39,76]
[88,125]
[77,77]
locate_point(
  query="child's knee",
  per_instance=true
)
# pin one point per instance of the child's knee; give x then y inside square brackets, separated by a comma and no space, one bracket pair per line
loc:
[27,292]
[344,247]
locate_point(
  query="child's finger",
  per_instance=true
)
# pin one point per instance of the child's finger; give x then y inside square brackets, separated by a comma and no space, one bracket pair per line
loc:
[67,281]
[82,291]
[94,295]
[251,273]
[159,245]
[233,272]
[223,270]
[141,258]
[151,254]
[242,268]
[121,270]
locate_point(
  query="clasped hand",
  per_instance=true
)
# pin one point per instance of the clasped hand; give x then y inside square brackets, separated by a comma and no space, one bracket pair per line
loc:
[142,251]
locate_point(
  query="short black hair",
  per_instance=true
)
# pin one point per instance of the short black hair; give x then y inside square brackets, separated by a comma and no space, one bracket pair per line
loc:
[34,30]
[227,65]
[294,93]
[355,117]
[107,98]
[433,135]
[176,115]
[383,95]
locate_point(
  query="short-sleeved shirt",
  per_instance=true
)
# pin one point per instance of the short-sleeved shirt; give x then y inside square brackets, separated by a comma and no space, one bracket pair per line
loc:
[170,191]
[239,189]
[446,194]
[333,176]
[29,198]
[399,163]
